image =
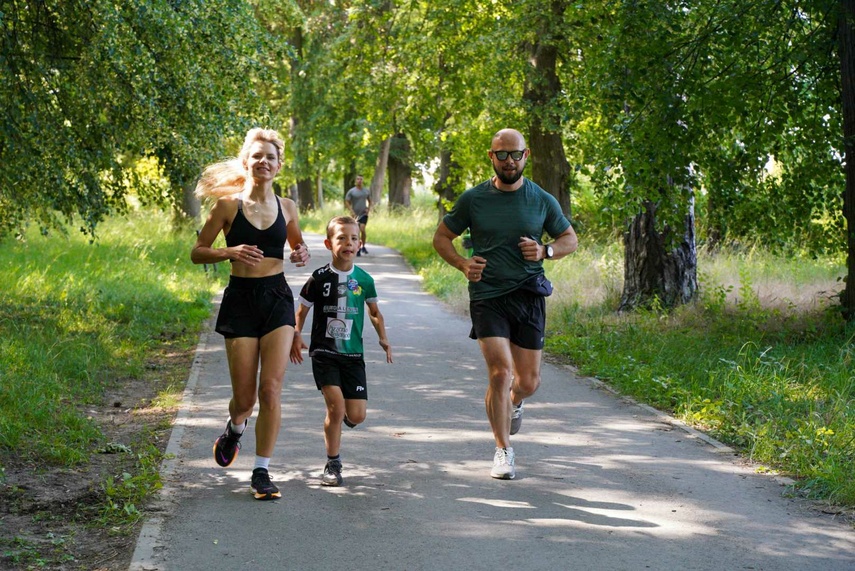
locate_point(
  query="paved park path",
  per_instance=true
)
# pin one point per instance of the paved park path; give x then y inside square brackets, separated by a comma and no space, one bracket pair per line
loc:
[601,483]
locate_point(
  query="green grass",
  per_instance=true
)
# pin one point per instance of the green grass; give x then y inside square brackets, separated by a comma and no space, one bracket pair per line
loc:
[77,317]
[762,361]
[79,321]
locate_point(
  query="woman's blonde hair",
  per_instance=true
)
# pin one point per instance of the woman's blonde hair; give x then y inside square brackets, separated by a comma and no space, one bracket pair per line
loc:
[229,177]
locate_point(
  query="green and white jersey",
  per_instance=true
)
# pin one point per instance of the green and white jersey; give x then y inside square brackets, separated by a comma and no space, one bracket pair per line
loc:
[338,299]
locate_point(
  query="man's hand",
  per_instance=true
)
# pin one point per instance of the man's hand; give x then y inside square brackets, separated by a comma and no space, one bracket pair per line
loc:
[530,249]
[473,268]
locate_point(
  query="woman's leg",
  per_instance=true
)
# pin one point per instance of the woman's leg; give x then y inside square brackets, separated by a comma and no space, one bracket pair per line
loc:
[242,353]
[274,349]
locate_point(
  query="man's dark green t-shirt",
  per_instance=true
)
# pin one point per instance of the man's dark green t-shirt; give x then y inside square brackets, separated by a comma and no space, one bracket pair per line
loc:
[497,219]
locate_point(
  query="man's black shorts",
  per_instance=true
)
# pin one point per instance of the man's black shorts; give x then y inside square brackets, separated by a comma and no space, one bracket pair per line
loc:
[253,307]
[519,316]
[345,373]
[363,219]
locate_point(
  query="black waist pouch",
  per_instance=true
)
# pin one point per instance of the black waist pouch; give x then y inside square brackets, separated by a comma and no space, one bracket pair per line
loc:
[538,284]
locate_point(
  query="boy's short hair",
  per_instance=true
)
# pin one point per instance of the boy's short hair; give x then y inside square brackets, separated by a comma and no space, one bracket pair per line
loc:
[339,221]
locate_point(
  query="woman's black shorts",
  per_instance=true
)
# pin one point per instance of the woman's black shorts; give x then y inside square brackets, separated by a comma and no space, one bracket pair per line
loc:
[253,307]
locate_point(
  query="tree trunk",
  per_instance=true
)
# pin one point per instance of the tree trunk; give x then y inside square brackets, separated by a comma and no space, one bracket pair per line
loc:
[188,209]
[190,205]
[400,172]
[549,166]
[380,167]
[319,195]
[305,194]
[846,35]
[448,183]
[305,190]
[349,181]
[651,272]
[714,232]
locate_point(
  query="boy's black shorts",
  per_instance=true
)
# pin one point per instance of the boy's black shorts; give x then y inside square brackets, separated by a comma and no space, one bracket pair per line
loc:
[253,307]
[345,373]
[519,316]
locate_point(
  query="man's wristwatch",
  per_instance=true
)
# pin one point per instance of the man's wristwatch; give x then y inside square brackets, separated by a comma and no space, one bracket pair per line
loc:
[548,251]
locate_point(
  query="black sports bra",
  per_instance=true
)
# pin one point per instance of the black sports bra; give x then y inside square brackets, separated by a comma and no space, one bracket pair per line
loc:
[271,240]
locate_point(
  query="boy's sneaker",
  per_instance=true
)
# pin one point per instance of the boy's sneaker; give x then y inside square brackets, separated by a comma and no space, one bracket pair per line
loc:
[365,250]
[332,473]
[503,464]
[348,423]
[262,487]
[226,446]
[516,417]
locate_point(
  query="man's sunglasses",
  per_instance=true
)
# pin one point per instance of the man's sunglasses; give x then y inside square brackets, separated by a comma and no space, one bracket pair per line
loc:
[503,155]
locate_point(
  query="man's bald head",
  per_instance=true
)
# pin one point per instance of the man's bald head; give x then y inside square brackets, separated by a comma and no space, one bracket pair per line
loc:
[509,137]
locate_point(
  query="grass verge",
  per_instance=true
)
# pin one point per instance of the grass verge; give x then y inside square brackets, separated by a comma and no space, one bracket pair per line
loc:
[98,338]
[77,317]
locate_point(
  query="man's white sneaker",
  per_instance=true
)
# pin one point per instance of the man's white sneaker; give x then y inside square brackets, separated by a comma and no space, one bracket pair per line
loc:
[503,464]
[516,418]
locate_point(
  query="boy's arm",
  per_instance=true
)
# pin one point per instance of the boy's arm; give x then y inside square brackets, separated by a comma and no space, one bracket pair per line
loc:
[380,326]
[298,345]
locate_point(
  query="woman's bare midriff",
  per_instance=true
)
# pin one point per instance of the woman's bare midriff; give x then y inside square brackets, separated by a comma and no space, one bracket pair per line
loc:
[266,267]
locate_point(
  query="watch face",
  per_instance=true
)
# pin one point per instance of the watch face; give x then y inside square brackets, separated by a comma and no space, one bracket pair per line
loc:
[549,251]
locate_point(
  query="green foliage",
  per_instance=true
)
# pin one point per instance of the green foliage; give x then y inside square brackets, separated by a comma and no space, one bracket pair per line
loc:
[122,494]
[24,553]
[362,71]
[660,102]
[88,88]
[695,99]
[78,317]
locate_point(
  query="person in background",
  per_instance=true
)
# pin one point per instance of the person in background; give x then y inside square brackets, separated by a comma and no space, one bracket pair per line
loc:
[256,316]
[507,216]
[358,201]
[340,291]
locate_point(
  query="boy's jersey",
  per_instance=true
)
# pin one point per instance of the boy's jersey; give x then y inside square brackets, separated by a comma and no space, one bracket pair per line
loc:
[339,300]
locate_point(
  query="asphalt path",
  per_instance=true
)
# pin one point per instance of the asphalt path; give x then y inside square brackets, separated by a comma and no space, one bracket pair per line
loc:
[602,483]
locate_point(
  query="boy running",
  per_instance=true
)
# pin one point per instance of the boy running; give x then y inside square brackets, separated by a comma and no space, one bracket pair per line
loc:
[339,292]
